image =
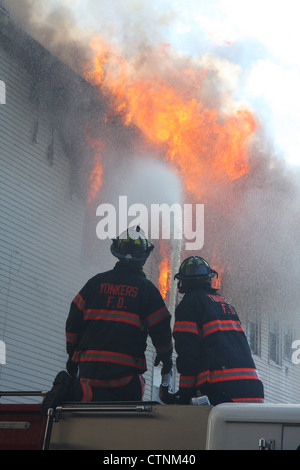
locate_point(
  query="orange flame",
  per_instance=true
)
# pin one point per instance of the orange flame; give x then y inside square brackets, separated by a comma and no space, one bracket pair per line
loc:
[95,178]
[218,266]
[164,277]
[217,281]
[199,141]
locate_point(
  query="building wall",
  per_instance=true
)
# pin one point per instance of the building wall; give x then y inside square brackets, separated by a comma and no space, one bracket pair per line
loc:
[41,235]
[280,375]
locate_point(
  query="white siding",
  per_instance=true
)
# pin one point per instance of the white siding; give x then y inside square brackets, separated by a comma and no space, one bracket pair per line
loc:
[42,243]
[281,381]
[41,237]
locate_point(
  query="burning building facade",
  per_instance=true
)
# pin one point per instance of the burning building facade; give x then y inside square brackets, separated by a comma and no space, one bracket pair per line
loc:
[157,128]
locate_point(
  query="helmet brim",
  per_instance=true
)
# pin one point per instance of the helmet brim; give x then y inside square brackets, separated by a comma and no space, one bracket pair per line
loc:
[192,277]
[130,257]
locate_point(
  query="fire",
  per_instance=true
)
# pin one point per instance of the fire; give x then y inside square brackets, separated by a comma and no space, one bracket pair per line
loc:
[217,281]
[109,71]
[96,175]
[164,276]
[165,271]
[218,266]
[199,141]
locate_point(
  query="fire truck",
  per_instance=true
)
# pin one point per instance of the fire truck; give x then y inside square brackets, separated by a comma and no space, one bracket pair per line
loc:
[149,426]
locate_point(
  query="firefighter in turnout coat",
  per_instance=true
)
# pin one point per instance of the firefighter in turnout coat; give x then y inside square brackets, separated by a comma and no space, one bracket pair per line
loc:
[214,358]
[107,329]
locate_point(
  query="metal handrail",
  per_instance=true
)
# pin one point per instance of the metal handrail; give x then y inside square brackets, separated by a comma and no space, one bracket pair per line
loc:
[92,408]
[25,393]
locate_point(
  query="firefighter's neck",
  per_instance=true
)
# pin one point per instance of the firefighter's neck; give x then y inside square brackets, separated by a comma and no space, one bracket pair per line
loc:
[188,286]
[132,265]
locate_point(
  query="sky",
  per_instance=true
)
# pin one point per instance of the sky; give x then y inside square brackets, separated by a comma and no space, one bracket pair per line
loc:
[272,66]
[261,36]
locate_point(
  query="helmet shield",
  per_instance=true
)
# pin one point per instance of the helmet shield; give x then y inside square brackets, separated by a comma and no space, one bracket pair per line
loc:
[195,267]
[131,245]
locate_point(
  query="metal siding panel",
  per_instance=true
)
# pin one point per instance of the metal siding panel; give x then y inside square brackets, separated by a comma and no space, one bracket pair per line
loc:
[281,382]
[41,238]
[40,269]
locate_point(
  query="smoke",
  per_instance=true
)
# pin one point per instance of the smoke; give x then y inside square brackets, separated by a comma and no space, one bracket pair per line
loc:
[54,26]
[254,227]
[251,224]
[130,26]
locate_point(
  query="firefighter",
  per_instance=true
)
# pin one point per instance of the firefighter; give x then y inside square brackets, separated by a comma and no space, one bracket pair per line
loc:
[107,329]
[214,357]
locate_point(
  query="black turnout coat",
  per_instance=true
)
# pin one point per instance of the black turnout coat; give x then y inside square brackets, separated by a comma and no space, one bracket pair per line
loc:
[213,352]
[108,325]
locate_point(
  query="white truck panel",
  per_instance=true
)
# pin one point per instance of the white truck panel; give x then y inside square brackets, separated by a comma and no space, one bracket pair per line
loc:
[247,426]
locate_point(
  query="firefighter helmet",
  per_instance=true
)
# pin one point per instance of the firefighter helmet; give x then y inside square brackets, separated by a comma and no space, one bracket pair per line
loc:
[131,245]
[194,268]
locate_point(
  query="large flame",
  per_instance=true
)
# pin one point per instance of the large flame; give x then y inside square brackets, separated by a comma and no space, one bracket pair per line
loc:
[198,140]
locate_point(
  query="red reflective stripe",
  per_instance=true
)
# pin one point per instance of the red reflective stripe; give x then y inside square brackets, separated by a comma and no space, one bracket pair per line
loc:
[84,392]
[112,357]
[219,325]
[79,301]
[76,356]
[87,392]
[248,400]
[234,374]
[119,382]
[112,315]
[72,337]
[202,377]
[186,327]
[157,316]
[187,381]
[143,384]
[223,375]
